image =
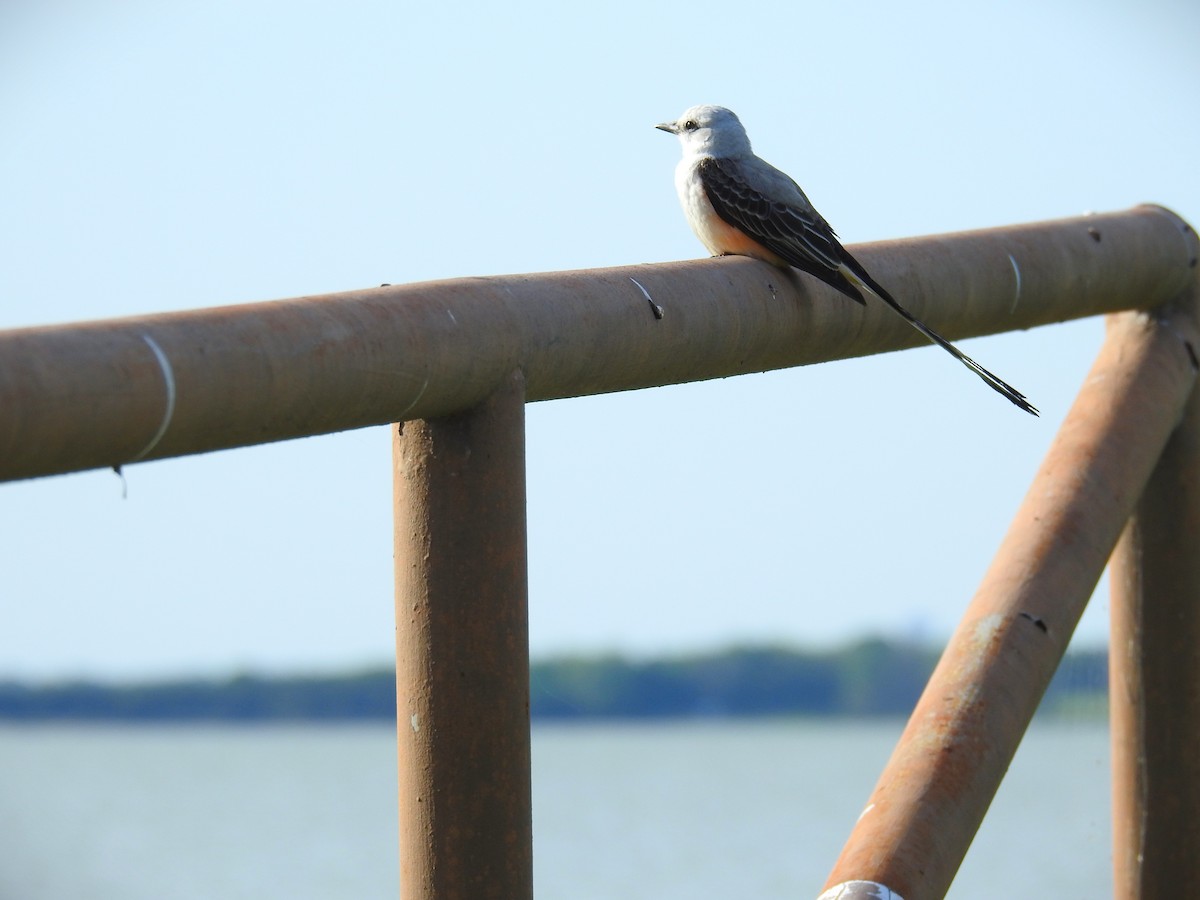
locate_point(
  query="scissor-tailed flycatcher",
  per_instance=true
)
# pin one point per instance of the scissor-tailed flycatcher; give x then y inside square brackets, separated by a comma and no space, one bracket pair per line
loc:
[739,204]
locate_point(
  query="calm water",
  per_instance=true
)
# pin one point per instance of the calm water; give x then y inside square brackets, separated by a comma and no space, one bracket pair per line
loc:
[651,811]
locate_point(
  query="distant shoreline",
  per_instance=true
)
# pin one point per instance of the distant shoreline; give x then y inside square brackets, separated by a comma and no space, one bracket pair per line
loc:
[869,678]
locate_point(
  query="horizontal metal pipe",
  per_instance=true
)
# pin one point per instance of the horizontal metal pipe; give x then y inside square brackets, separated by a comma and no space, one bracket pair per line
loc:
[935,789]
[114,392]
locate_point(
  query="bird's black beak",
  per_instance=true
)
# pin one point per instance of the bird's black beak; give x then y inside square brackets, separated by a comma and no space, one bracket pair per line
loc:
[669,127]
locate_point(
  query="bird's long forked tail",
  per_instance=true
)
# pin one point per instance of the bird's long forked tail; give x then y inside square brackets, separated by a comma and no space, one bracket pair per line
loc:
[1000,386]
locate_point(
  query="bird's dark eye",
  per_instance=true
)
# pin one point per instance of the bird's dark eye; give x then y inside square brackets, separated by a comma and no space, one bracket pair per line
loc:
[690,125]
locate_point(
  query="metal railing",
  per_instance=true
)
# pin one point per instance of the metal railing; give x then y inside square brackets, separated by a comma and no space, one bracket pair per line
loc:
[454,363]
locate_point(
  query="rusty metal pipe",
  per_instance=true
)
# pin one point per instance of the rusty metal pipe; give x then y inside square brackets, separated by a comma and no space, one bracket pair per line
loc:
[1154,677]
[462,653]
[934,791]
[109,393]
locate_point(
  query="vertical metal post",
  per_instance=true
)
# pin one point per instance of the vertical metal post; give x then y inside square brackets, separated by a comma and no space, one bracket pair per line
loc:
[462,653]
[1154,678]
[935,789]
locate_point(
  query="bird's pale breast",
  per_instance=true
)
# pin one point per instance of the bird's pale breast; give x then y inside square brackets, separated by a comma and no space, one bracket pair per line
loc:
[715,233]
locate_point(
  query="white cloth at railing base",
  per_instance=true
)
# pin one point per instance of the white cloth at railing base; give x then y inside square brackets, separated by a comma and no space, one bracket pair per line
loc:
[859,890]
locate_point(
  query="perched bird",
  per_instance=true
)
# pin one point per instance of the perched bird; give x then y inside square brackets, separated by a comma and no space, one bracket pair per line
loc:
[739,204]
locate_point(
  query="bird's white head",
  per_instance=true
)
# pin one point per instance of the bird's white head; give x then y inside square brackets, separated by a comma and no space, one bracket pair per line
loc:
[710,131]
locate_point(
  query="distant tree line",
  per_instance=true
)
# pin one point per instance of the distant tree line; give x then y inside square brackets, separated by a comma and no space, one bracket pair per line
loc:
[868,678]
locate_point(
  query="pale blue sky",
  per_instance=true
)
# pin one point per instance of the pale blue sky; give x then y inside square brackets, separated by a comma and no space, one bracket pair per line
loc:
[170,156]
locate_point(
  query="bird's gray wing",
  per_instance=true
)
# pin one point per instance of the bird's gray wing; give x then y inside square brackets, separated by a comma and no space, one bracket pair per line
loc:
[795,232]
